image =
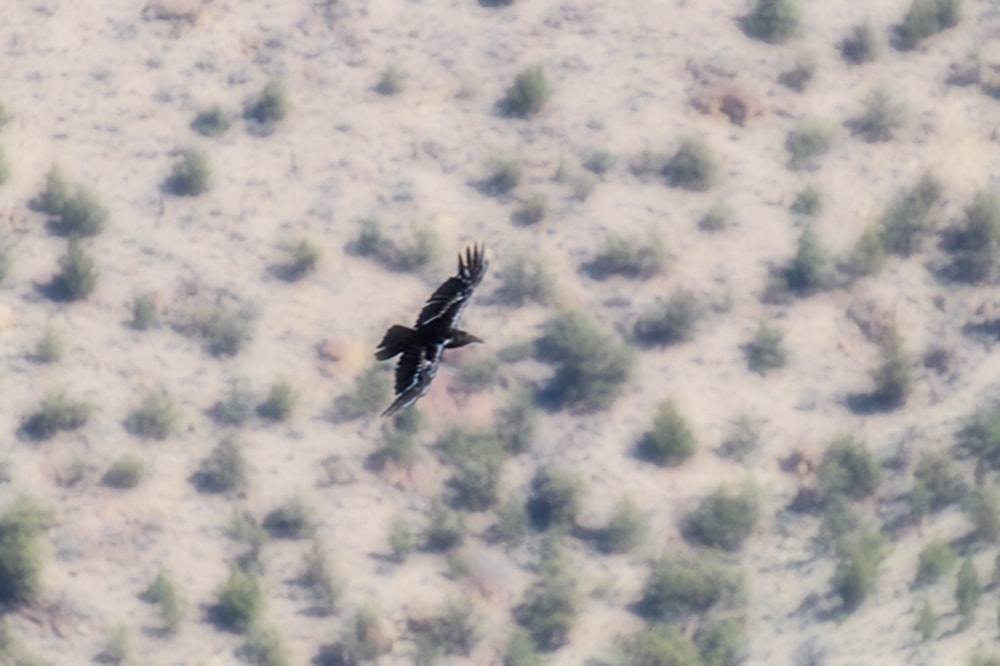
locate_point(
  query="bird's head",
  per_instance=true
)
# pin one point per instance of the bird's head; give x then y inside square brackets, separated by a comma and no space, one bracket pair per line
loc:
[463,338]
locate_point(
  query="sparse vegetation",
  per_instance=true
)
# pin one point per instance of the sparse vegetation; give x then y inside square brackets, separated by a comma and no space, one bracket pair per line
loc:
[271,105]
[525,279]
[50,347]
[908,220]
[717,218]
[774,21]
[867,257]
[533,209]
[980,436]
[935,559]
[263,647]
[414,255]
[975,245]
[400,539]
[145,313]
[861,45]
[156,418]
[671,322]
[370,395]
[477,457]
[116,648]
[191,175]
[223,470]
[806,142]
[983,509]
[798,77]
[925,18]
[4,166]
[224,330]
[126,472]
[503,173]
[362,641]
[21,556]
[626,528]
[631,258]
[894,375]
[530,92]
[968,591]
[303,256]
[163,593]
[552,603]
[317,577]
[521,650]
[807,273]
[723,519]
[927,621]
[238,405]
[880,119]
[670,442]
[77,276]
[693,167]
[936,474]
[513,522]
[742,439]
[657,645]
[212,121]
[767,351]
[238,602]
[676,587]
[808,202]
[848,468]
[280,402]
[556,497]
[391,81]
[857,568]
[600,162]
[454,631]
[291,520]
[56,412]
[445,529]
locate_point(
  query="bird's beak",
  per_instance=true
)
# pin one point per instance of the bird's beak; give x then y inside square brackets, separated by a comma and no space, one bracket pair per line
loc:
[473,338]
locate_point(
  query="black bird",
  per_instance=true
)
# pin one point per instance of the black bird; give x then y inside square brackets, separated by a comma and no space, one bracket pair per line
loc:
[437,329]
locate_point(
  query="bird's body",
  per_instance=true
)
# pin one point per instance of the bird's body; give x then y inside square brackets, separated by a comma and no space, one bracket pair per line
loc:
[420,348]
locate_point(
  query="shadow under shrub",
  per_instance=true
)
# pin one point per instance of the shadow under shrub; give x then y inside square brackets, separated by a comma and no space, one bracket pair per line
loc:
[57,412]
[677,587]
[238,602]
[723,519]
[555,501]
[670,441]
[693,167]
[671,322]
[774,21]
[21,555]
[552,603]
[530,92]
[848,468]
[224,470]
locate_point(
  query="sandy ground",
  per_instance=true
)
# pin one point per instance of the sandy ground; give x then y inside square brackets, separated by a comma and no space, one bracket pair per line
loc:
[107,91]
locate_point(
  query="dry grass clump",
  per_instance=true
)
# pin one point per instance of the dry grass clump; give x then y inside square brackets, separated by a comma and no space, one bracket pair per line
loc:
[57,412]
[528,95]
[156,418]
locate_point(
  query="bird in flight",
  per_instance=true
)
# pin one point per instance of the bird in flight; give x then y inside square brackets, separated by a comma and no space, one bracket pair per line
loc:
[420,348]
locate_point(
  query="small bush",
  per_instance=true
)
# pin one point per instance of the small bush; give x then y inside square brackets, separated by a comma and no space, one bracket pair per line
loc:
[880,119]
[191,174]
[50,347]
[907,220]
[983,508]
[743,438]
[530,92]
[455,631]
[723,519]
[53,198]
[717,218]
[479,374]
[636,259]
[244,528]
[516,423]
[798,77]
[591,367]
[391,81]
[808,271]
[774,21]
[721,642]
[163,593]
[81,215]
[238,602]
[934,561]
[838,518]
[156,418]
[263,647]
[976,243]
[808,202]
[56,412]
[224,331]
[670,442]
[867,257]
[116,648]
[145,314]
[236,408]
[626,528]
[894,375]
[4,166]
[556,496]
[848,468]
[503,175]
[21,557]
[927,621]
[552,603]
[693,167]
[398,444]
[291,520]
[861,45]
[943,483]
[477,458]
[676,588]
[362,642]
[271,105]
[524,280]
[124,473]
[521,650]
[857,569]
[445,529]
[980,436]
[280,402]
[324,589]
[371,392]
[400,540]
[533,209]
[223,470]
[672,322]
[968,591]
[767,351]
[513,522]
[303,256]
[212,121]
[77,275]
[926,18]
[375,243]
[600,162]
[805,143]
[658,645]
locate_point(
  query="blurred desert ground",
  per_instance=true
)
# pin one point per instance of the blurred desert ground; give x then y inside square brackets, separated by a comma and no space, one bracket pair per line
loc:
[107,90]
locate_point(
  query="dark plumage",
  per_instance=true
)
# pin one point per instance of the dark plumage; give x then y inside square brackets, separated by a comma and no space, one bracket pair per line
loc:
[420,348]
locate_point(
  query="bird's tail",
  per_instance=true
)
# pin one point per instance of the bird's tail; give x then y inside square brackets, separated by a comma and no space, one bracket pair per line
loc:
[393,342]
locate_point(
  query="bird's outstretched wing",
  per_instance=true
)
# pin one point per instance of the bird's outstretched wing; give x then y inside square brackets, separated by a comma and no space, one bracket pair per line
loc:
[449,300]
[414,373]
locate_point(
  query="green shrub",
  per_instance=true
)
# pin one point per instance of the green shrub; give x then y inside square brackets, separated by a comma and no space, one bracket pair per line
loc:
[943,483]
[717,218]
[808,202]
[626,528]
[479,374]
[600,162]
[530,92]
[894,375]
[525,279]
[968,591]
[976,243]
[225,330]
[445,529]
[721,642]
[848,468]
[81,215]
[374,243]
[670,442]
[856,574]
[371,392]
[77,276]
[556,496]
[243,527]
[477,458]
[163,593]
[693,167]
[798,77]
[156,418]
[521,650]
[676,588]
[658,645]
[671,322]
[116,648]
[324,589]
[56,412]
[53,198]
[774,21]
[983,508]
[400,539]
[280,402]
[838,518]
[807,273]
[21,555]
[238,405]
[361,642]
[907,220]
[743,438]
[126,472]
[867,257]
[927,621]
[635,258]
[516,423]
[391,81]
[291,520]
[767,351]
[145,314]
[925,18]
[513,522]
[4,166]
[50,347]
[980,436]
[552,602]
[455,631]
[238,602]
[881,117]
[303,256]
[212,121]
[271,105]
[934,561]
[723,519]
[191,174]
[398,443]
[533,209]
[809,140]
[503,175]
[223,470]
[861,45]
[263,647]
[591,367]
